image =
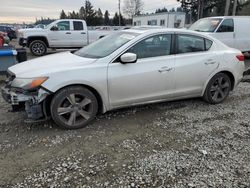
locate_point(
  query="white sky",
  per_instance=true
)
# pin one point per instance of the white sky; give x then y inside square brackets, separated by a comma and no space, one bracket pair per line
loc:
[19,11]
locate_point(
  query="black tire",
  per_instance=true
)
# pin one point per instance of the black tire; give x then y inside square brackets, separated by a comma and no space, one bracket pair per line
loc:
[38,48]
[73,107]
[218,89]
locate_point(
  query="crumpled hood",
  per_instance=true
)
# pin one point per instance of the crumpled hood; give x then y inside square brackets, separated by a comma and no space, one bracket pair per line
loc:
[46,65]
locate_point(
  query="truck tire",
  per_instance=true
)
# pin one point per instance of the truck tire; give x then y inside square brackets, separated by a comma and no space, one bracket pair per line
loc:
[38,48]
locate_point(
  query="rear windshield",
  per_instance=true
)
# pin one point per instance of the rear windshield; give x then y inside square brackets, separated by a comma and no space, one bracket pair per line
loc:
[206,25]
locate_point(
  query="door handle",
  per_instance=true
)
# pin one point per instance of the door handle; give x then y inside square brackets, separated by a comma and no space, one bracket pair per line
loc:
[210,63]
[68,33]
[83,33]
[165,69]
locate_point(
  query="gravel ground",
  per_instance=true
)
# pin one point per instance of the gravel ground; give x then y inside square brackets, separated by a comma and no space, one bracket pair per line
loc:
[175,144]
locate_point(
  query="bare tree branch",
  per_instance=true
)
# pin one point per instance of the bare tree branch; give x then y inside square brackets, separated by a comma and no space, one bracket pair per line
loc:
[132,7]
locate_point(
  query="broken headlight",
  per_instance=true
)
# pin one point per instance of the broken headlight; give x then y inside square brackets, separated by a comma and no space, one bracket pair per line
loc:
[28,83]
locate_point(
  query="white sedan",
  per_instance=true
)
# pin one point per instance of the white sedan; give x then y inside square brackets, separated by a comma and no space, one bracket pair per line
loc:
[126,68]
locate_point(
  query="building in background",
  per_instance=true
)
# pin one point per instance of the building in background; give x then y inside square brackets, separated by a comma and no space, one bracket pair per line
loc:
[166,19]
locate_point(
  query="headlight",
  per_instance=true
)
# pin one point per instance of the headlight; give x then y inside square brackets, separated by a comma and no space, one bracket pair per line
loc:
[20,34]
[28,83]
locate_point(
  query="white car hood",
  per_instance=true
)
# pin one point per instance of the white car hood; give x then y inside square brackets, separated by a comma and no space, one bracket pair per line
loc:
[46,65]
[31,30]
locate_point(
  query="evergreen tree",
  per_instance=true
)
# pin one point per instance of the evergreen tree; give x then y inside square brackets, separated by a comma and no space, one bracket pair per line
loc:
[63,15]
[106,18]
[89,13]
[116,19]
[99,17]
[82,13]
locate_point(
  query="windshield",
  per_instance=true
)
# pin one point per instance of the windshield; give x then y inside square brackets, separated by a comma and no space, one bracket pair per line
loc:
[50,25]
[206,25]
[107,45]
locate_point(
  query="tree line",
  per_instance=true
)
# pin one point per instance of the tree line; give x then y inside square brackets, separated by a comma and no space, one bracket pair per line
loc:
[204,8]
[95,17]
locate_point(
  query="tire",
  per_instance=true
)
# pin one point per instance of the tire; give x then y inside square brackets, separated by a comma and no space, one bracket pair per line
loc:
[38,48]
[73,107]
[218,89]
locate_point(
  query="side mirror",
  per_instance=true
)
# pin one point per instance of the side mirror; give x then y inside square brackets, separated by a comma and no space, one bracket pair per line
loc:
[129,58]
[54,28]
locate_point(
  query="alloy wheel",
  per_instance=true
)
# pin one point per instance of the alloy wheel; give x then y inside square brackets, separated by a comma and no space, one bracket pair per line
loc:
[75,109]
[219,89]
[38,48]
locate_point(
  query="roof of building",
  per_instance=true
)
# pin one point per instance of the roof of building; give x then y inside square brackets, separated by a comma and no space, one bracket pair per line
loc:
[161,13]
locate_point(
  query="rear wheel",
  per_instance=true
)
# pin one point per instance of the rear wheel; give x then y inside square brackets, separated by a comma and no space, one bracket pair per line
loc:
[218,89]
[74,107]
[38,48]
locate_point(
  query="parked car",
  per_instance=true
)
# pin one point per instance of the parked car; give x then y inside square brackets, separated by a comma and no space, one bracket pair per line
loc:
[231,30]
[10,32]
[137,67]
[4,37]
[66,33]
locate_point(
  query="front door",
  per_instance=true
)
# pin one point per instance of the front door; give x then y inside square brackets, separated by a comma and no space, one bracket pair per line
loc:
[62,37]
[149,79]
[225,33]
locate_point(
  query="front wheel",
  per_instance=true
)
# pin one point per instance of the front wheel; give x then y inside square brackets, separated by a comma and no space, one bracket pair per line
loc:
[74,107]
[38,48]
[218,89]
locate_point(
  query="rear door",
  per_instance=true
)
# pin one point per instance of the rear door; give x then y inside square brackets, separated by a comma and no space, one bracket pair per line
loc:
[79,34]
[226,32]
[193,65]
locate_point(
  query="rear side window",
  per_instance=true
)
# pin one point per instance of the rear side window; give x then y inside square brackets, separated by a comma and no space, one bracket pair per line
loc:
[78,26]
[208,44]
[226,26]
[190,43]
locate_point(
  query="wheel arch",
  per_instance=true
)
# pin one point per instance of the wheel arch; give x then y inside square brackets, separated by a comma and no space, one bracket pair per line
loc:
[228,73]
[101,105]
[42,38]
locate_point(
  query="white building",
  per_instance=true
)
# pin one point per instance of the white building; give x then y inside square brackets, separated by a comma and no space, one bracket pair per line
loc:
[166,19]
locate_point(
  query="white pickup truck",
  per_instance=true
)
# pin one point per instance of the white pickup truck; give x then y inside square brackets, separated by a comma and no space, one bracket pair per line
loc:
[66,33]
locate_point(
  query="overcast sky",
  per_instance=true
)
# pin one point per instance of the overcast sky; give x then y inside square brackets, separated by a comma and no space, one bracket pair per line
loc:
[19,11]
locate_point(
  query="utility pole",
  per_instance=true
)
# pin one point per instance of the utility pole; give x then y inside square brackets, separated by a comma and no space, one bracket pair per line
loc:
[227,7]
[235,7]
[199,10]
[119,7]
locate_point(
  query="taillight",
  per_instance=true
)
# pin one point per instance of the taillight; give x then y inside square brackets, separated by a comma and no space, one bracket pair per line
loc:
[241,57]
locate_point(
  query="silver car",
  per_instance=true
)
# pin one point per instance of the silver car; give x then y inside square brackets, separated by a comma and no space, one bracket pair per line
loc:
[127,68]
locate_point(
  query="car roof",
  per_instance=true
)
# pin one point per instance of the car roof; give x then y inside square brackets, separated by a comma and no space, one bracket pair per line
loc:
[152,31]
[160,30]
[224,17]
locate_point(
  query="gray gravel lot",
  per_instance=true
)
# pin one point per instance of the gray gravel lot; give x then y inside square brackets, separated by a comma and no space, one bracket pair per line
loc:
[185,143]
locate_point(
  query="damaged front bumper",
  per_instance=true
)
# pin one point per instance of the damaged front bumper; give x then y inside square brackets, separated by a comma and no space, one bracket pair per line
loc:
[35,102]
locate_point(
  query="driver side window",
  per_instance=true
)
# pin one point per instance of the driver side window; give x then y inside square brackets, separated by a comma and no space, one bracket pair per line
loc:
[226,26]
[159,45]
[63,26]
